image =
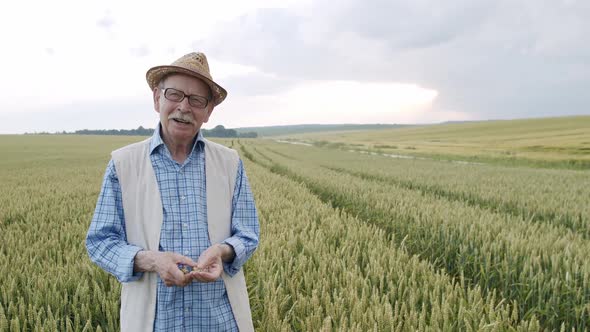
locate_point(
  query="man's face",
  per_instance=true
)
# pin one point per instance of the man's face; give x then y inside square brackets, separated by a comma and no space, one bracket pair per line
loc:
[181,121]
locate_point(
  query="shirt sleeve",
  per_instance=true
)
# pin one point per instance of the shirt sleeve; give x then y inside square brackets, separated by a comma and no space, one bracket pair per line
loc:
[244,224]
[106,241]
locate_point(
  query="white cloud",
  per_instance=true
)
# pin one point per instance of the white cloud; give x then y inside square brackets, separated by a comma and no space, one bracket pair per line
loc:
[221,70]
[66,52]
[329,102]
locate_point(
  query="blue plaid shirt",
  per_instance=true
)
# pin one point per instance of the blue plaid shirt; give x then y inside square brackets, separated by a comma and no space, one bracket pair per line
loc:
[198,306]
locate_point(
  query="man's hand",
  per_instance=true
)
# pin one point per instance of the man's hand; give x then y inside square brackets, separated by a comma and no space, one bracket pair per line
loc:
[210,263]
[166,265]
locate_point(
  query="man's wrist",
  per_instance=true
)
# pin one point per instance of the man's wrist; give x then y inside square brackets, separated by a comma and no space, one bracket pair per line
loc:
[227,252]
[144,261]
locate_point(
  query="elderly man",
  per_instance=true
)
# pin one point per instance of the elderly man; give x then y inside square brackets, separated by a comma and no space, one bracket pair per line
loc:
[175,219]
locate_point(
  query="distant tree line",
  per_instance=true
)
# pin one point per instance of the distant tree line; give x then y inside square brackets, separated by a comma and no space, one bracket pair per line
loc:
[140,131]
[218,131]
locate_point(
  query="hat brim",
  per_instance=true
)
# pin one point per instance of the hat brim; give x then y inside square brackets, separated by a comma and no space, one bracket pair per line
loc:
[155,74]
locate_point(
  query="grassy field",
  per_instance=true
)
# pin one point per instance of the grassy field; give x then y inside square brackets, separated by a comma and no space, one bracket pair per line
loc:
[350,241]
[551,142]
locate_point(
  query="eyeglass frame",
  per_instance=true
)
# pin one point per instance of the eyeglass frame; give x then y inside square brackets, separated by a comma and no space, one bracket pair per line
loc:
[184,95]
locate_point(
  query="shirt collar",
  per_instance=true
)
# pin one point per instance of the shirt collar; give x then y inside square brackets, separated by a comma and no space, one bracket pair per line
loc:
[156,140]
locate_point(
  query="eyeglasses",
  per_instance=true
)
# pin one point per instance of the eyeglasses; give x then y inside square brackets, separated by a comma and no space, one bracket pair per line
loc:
[178,96]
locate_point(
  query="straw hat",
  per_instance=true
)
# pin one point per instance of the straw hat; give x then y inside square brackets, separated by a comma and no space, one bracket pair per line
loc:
[192,64]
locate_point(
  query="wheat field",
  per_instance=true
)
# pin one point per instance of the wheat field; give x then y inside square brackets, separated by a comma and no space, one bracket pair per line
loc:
[349,241]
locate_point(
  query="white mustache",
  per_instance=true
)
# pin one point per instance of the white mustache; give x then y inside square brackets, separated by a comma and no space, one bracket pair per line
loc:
[183,117]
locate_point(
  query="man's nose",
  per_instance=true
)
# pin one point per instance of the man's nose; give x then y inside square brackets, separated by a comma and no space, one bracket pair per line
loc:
[183,105]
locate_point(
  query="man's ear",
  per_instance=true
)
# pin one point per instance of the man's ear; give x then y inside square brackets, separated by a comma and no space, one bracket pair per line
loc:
[157,99]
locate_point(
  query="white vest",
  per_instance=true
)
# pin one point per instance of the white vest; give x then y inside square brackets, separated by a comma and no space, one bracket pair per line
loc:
[143,211]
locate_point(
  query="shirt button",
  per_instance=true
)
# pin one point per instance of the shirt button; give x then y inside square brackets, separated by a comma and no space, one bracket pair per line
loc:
[186,252]
[183,197]
[185,225]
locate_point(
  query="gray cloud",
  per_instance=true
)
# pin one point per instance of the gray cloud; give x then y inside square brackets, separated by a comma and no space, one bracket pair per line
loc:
[495,59]
[410,24]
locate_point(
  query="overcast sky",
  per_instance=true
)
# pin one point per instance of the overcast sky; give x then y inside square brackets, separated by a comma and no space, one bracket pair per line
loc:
[69,65]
